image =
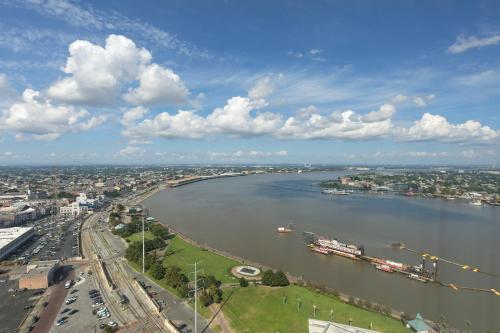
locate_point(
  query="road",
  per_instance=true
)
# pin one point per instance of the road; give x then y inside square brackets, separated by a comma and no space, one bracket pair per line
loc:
[137,316]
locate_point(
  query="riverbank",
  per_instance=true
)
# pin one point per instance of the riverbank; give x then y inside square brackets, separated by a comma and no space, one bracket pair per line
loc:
[247,315]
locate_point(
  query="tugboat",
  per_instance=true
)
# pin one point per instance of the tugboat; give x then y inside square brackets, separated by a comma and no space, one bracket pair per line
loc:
[285,230]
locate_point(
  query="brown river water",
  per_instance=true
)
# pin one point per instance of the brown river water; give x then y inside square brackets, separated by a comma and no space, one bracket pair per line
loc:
[240,215]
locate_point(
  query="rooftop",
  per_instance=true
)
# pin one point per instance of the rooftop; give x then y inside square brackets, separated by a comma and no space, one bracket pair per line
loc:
[40,267]
[321,326]
[8,235]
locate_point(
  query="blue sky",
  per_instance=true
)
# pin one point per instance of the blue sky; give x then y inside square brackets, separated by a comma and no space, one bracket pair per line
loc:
[414,82]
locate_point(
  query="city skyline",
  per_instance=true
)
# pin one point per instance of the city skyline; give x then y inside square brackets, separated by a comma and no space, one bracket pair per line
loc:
[288,82]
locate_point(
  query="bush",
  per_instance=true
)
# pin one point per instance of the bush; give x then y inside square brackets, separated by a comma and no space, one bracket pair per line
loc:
[278,279]
[157,271]
[267,278]
[159,231]
[243,283]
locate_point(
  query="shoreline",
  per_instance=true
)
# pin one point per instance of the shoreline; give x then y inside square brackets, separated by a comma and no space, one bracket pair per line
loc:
[310,285]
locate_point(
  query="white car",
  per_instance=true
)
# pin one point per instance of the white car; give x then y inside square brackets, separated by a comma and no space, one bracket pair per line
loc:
[113,324]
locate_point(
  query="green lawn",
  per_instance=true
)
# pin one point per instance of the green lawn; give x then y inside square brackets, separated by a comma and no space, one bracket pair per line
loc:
[137,237]
[182,254]
[261,309]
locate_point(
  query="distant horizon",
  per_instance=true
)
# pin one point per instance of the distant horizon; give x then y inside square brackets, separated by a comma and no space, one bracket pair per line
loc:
[298,165]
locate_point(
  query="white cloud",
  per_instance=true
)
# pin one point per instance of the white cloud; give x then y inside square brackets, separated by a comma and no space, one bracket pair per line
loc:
[130,152]
[158,85]
[130,116]
[437,128]
[420,101]
[463,43]
[238,117]
[85,16]
[400,98]
[96,72]
[262,89]
[427,154]
[343,125]
[97,75]
[241,154]
[312,54]
[38,118]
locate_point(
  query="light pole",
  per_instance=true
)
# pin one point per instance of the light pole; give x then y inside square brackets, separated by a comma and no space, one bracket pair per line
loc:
[143,246]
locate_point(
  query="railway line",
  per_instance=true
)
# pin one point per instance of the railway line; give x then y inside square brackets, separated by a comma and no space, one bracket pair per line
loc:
[138,312]
[124,283]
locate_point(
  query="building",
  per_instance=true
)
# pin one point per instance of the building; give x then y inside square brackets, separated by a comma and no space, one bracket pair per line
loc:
[12,238]
[17,214]
[39,274]
[73,209]
[418,325]
[321,326]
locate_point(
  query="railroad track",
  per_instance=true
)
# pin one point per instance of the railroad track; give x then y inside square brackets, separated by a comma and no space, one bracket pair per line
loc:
[119,316]
[147,319]
[125,279]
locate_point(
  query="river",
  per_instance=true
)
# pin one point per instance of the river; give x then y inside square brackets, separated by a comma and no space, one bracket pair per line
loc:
[240,215]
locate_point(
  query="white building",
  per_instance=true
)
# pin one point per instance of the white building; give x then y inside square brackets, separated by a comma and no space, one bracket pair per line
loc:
[73,209]
[321,326]
[12,238]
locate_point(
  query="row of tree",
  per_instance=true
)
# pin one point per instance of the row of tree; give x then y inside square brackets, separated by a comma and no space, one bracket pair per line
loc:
[274,279]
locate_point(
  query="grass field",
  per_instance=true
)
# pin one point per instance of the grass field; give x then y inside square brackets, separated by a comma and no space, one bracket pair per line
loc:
[183,254]
[137,237]
[261,309]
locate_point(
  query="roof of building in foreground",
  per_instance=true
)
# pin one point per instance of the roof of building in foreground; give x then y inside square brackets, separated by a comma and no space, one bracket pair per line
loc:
[418,324]
[8,235]
[321,326]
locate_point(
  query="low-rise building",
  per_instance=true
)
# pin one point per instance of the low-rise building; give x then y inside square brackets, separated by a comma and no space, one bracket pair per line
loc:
[73,209]
[39,274]
[418,325]
[321,326]
[12,238]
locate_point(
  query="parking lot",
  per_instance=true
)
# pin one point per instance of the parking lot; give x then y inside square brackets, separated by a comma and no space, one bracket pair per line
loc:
[82,307]
[15,305]
[57,238]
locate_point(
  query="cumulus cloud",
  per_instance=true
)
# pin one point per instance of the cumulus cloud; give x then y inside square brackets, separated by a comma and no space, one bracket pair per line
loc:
[463,43]
[240,116]
[437,128]
[97,75]
[158,85]
[38,118]
[344,125]
[130,116]
[419,101]
[262,89]
[130,152]
[241,154]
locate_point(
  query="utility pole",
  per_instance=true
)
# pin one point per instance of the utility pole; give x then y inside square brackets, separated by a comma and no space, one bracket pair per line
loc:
[195,298]
[195,273]
[143,245]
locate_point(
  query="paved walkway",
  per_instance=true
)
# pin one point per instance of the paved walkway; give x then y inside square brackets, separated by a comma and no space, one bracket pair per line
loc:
[56,299]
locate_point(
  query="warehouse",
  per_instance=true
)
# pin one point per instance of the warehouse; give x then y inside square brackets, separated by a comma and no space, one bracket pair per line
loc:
[12,238]
[39,274]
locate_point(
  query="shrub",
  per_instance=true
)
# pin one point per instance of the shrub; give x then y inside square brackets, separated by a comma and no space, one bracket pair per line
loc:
[243,282]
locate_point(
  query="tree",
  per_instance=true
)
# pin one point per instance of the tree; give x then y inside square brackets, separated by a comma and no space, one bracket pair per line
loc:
[268,278]
[159,231]
[280,279]
[157,271]
[243,282]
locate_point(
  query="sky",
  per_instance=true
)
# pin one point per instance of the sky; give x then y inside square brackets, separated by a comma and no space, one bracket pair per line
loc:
[260,82]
